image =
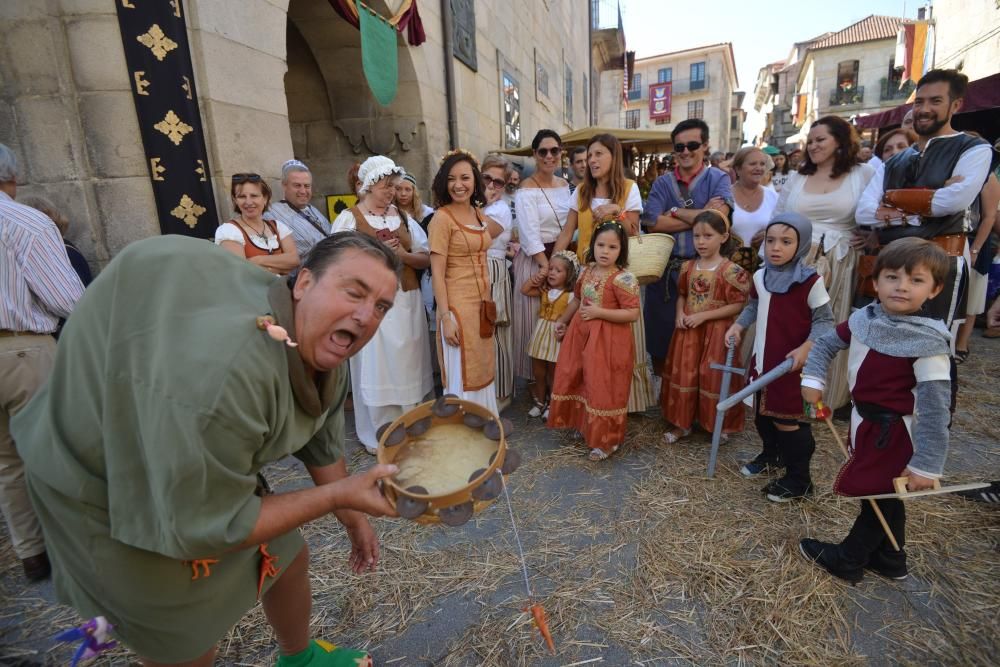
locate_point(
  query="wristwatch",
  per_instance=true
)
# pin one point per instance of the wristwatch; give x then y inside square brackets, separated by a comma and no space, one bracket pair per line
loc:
[673,211]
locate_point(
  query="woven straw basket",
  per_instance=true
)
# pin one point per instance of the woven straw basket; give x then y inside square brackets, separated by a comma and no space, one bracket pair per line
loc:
[648,255]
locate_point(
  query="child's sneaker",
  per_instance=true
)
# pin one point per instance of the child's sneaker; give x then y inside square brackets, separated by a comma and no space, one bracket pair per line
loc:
[827,556]
[777,492]
[758,465]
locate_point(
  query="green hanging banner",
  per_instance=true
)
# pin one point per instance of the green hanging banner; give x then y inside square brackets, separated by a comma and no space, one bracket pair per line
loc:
[378,55]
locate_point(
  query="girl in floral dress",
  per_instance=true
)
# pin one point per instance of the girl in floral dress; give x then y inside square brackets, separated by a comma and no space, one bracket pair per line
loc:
[712,292]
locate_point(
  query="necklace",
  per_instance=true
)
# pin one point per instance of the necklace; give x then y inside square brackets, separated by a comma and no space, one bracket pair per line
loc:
[262,234]
[383,214]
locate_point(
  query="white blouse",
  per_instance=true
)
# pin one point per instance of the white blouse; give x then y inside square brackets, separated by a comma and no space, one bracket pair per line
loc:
[541,215]
[499,211]
[748,223]
[832,214]
[632,203]
[230,231]
[345,222]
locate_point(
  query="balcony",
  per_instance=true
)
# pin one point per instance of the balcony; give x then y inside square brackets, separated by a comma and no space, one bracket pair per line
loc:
[635,94]
[606,14]
[690,86]
[847,95]
[890,90]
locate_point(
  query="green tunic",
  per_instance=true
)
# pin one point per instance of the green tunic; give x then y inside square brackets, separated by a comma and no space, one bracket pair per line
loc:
[142,449]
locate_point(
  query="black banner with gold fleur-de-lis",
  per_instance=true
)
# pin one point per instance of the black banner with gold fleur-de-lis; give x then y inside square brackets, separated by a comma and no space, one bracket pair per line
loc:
[159,61]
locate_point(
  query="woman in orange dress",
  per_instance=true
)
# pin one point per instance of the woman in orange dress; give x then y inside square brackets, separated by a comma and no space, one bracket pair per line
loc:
[459,236]
[594,370]
[712,291]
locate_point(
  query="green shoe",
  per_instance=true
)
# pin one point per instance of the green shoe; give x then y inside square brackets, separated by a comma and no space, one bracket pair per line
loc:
[324,654]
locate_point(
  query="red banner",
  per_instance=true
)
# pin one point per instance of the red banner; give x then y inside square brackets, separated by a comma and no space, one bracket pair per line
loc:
[659,101]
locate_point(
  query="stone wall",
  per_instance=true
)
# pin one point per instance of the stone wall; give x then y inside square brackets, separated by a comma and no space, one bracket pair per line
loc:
[968,35]
[275,79]
[66,111]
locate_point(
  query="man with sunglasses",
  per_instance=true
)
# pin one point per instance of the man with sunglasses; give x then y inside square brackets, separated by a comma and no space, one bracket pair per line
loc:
[675,199]
[926,190]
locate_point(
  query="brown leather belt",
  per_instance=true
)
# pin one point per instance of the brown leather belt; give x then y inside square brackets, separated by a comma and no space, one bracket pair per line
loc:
[952,244]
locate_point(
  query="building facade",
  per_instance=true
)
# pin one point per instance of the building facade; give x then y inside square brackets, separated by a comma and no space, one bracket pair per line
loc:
[277,79]
[702,84]
[967,34]
[850,72]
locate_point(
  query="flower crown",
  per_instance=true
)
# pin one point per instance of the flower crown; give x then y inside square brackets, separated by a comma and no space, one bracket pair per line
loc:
[569,257]
[459,151]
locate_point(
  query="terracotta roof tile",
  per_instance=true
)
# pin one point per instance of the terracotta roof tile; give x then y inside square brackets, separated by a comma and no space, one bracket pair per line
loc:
[868,29]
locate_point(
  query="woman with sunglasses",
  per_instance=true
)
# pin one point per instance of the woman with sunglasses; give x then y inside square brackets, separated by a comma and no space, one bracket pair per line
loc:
[267,243]
[495,171]
[826,190]
[606,194]
[541,204]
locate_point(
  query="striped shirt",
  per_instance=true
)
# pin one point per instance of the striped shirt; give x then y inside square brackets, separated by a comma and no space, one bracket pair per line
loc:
[37,283]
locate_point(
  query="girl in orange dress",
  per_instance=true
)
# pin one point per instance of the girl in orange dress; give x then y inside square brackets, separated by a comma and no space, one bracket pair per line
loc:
[594,370]
[712,292]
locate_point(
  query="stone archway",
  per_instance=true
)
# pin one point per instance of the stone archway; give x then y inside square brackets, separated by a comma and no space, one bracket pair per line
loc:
[333,117]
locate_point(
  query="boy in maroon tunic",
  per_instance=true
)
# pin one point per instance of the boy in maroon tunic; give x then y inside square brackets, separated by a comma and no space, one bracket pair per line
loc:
[791,307]
[900,380]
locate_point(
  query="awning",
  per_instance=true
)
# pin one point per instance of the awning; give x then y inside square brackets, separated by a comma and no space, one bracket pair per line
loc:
[647,141]
[983,94]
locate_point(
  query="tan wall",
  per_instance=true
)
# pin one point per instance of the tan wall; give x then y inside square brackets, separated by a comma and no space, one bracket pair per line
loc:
[74,129]
[968,34]
[268,91]
[717,96]
[873,65]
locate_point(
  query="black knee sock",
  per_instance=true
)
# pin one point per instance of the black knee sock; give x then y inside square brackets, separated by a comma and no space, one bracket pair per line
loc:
[796,448]
[768,436]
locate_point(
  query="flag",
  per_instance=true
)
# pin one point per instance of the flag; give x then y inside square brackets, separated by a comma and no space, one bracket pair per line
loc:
[914,50]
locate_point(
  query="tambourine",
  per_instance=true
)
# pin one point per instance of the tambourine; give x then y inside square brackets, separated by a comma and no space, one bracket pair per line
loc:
[451,455]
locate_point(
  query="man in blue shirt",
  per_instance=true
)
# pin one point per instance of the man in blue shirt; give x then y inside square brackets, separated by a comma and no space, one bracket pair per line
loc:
[675,199]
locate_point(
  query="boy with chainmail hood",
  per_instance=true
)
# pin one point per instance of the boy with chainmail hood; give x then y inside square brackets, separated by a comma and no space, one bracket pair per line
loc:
[900,384]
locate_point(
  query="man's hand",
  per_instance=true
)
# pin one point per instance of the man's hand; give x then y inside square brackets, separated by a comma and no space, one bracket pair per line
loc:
[811,396]
[863,240]
[917,482]
[364,543]
[717,204]
[361,491]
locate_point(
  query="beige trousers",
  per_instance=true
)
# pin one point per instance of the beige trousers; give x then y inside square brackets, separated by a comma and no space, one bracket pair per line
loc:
[25,363]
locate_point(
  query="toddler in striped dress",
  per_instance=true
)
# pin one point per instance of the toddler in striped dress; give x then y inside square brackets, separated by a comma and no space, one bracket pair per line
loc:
[556,292]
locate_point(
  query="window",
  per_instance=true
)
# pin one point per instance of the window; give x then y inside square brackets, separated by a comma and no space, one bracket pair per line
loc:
[697,76]
[734,122]
[635,90]
[847,75]
[696,109]
[632,119]
[665,74]
[568,112]
[511,112]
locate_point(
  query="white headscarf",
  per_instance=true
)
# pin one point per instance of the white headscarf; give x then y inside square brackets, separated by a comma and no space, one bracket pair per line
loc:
[374,169]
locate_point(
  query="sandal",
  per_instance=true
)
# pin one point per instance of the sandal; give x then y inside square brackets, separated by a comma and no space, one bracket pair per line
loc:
[674,436]
[538,409]
[597,454]
[961,356]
